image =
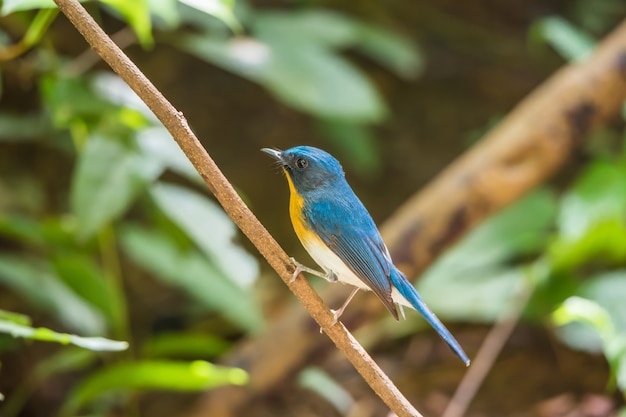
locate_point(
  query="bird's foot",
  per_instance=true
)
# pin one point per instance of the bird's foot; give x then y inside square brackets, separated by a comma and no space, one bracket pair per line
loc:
[328,276]
[336,315]
[297,271]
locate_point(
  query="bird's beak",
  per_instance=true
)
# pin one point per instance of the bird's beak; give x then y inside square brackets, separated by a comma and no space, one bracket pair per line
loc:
[274,153]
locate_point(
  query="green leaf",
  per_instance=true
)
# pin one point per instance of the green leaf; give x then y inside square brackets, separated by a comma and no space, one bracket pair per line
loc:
[42,234]
[108,176]
[580,309]
[192,273]
[304,73]
[320,382]
[604,242]
[110,87]
[210,228]
[153,375]
[16,318]
[598,194]
[166,12]
[569,41]
[516,231]
[47,335]
[73,100]
[137,14]
[157,143]
[335,30]
[390,50]
[596,317]
[607,290]
[191,345]
[221,9]
[584,324]
[87,280]
[324,27]
[22,127]
[473,280]
[21,228]
[35,281]
[482,295]
[38,26]
[591,221]
[11,6]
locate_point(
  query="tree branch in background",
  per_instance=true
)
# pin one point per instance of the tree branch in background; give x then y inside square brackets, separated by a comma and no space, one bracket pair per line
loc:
[176,124]
[524,150]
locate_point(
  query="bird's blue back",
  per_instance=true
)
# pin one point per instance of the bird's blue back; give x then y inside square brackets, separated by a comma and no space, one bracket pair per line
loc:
[339,218]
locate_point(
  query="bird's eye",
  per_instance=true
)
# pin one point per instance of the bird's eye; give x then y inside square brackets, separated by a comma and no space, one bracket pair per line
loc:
[302,163]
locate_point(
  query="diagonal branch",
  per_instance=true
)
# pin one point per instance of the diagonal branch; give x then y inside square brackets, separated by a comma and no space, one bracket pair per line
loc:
[177,125]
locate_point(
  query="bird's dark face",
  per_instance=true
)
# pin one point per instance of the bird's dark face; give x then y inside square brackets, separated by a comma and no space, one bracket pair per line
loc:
[307,167]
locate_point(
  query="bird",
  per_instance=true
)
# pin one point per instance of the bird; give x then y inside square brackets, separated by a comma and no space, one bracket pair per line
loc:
[340,235]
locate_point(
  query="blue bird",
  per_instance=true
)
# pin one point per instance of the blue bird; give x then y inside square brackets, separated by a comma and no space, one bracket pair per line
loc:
[338,232]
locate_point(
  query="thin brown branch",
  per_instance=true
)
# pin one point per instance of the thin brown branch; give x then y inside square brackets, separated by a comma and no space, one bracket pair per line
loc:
[487,354]
[83,62]
[177,125]
[524,150]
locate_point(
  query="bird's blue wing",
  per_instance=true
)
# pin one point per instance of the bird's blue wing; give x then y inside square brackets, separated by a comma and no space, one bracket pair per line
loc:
[348,230]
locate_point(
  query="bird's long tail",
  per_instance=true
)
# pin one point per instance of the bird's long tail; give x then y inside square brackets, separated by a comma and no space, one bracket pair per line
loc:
[410,294]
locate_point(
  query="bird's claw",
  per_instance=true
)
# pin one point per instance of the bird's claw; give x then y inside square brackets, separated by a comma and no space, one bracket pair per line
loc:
[336,315]
[297,271]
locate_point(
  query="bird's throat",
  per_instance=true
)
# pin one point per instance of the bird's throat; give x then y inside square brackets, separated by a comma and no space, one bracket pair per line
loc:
[296,204]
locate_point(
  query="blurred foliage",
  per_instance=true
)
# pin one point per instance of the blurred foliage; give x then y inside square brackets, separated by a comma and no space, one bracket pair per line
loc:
[18,325]
[559,248]
[132,207]
[69,265]
[150,374]
[565,248]
[319,382]
[297,56]
[569,41]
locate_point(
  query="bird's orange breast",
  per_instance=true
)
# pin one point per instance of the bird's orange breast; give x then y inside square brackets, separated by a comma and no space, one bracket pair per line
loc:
[296,206]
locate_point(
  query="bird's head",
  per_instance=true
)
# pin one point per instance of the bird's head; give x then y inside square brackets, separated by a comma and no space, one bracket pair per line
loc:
[307,167]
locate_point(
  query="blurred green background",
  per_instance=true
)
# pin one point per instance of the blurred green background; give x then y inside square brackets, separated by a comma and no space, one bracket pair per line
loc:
[123,283]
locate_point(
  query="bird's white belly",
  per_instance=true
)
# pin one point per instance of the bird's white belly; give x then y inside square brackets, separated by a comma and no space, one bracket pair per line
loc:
[327,259]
